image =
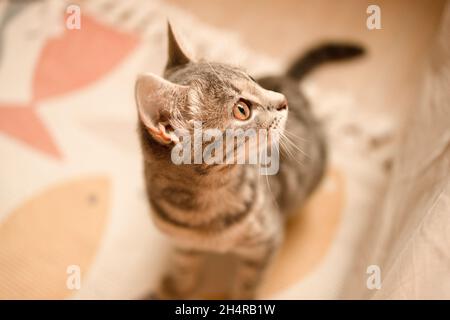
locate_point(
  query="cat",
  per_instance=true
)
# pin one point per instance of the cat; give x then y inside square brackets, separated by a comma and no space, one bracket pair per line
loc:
[227,208]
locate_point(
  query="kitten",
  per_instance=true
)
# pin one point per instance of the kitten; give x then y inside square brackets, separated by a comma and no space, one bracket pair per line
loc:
[227,208]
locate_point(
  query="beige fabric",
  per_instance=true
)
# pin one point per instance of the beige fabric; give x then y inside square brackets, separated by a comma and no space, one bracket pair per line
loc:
[410,238]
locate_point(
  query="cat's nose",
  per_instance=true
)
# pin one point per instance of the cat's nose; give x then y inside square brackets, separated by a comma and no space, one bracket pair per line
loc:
[283,105]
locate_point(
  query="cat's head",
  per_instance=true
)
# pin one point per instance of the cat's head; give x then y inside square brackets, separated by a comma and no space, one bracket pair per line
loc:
[216,95]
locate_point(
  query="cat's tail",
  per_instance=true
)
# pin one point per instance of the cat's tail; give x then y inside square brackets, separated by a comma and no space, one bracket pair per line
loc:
[327,52]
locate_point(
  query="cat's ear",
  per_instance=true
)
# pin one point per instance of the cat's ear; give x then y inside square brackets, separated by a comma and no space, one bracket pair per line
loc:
[154,96]
[176,54]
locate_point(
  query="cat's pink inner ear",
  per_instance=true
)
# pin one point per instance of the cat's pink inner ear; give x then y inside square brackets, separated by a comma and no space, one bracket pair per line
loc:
[154,97]
[161,135]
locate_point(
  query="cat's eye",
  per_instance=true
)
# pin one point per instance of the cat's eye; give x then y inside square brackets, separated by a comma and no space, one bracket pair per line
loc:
[241,110]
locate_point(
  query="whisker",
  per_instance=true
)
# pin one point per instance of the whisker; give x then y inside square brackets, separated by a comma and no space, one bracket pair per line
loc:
[293,135]
[290,154]
[288,140]
[274,201]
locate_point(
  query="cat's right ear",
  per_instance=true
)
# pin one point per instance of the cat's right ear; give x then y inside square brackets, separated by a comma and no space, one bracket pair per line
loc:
[155,97]
[176,55]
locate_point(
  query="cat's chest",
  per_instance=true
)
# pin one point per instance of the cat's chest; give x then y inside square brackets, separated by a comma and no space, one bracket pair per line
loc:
[217,218]
[255,227]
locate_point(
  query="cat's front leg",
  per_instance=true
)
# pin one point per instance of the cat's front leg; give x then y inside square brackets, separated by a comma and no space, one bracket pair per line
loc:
[252,263]
[182,278]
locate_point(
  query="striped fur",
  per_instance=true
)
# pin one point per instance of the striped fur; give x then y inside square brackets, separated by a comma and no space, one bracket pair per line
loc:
[226,208]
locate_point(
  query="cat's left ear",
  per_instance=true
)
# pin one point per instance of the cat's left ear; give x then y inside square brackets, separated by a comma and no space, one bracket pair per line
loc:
[154,98]
[176,55]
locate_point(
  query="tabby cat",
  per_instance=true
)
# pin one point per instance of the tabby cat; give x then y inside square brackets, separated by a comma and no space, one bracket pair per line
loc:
[227,208]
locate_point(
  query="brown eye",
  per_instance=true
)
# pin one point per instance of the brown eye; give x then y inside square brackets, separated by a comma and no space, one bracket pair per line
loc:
[241,111]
